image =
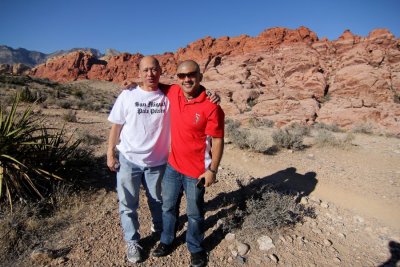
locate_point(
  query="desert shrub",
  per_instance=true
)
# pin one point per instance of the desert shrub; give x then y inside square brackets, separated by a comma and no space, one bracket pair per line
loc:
[265,209]
[260,122]
[95,107]
[298,128]
[32,157]
[245,138]
[90,139]
[78,94]
[89,104]
[288,138]
[231,126]
[364,128]
[240,138]
[27,95]
[326,138]
[269,209]
[15,79]
[66,104]
[70,116]
[329,127]
[257,142]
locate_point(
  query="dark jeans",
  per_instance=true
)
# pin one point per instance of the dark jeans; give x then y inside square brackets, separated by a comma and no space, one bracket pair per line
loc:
[172,183]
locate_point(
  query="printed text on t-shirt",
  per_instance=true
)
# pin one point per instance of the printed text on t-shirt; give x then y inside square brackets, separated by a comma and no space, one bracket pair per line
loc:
[150,107]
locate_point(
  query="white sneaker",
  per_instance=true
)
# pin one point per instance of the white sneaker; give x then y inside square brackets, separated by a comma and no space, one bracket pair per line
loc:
[134,251]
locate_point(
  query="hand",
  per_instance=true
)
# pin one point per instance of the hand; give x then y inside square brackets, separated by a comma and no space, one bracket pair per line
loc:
[214,97]
[112,163]
[210,178]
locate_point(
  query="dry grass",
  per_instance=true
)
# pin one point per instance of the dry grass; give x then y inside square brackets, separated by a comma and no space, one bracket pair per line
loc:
[245,138]
[92,96]
[329,127]
[364,128]
[327,139]
[30,224]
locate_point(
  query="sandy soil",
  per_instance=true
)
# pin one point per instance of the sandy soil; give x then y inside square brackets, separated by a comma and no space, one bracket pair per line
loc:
[355,193]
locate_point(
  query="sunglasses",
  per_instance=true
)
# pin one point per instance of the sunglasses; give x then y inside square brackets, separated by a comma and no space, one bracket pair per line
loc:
[190,75]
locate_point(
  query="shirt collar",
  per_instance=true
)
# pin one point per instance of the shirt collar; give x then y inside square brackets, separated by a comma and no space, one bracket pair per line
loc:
[200,98]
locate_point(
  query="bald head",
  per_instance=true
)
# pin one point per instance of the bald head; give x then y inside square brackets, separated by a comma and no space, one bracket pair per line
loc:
[188,65]
[149,73]
[149,60]
[189,77]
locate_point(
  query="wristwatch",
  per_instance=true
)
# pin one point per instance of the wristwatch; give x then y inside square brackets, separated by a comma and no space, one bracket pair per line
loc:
[213,171]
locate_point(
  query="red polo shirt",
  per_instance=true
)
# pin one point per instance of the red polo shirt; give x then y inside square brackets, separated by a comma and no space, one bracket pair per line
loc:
[193,124]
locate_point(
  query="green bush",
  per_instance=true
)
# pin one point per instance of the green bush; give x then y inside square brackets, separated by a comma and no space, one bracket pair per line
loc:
[27,95]
[32,157]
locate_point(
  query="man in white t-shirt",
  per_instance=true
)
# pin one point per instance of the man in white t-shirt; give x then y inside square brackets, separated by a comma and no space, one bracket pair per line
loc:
[140,132]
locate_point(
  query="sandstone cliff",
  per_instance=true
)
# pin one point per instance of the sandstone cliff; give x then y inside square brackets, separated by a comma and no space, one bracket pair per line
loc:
[281,74]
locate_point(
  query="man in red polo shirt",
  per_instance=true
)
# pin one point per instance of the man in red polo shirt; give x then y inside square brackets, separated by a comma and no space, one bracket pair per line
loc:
[197,131]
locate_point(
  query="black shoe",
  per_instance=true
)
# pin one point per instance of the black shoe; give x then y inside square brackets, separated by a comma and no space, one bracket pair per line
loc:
[199,259]
[155,236]
[162,250]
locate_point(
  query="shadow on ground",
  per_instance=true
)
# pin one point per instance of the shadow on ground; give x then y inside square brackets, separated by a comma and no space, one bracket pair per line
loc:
[394,248]
[286,181]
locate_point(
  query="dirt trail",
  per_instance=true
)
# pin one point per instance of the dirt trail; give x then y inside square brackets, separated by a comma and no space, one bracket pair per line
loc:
[370,188]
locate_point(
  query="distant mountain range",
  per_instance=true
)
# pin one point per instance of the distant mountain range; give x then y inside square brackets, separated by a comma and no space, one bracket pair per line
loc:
[9,55]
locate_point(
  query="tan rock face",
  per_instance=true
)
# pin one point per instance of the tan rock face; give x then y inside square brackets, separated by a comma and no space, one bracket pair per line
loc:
[281,74]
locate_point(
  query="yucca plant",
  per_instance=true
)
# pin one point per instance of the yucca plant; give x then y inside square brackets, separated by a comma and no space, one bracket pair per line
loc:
[31,156]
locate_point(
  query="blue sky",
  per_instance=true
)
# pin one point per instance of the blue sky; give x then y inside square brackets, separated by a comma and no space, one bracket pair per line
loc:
[155,27]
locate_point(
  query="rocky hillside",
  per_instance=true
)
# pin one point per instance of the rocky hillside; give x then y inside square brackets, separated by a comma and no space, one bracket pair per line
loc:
[283,75]
[11,56]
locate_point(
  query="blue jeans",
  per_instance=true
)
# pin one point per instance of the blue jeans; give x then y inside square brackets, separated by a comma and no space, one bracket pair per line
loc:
[172,183]
[129,178]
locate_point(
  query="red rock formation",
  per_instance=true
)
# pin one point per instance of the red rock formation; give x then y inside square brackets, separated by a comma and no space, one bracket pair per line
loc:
[281,74]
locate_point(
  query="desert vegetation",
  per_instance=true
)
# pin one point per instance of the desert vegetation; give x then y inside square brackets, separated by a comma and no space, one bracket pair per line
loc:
[44,170]
[76,95]
[47,173]
[261,138]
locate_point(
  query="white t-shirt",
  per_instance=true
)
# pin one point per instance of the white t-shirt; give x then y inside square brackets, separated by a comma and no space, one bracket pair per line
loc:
[145,135]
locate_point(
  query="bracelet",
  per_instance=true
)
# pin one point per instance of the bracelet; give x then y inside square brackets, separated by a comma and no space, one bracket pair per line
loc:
[213,171]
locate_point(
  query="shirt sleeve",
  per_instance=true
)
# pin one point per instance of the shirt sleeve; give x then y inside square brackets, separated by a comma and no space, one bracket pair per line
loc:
[216,123]
[117,114]
[171,90]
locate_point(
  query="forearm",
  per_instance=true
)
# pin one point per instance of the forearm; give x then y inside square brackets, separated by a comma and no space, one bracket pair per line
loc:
[217,150]
[113,139]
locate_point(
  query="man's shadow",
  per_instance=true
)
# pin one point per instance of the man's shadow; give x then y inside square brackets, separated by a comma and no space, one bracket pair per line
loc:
[394,249]
[286,181]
